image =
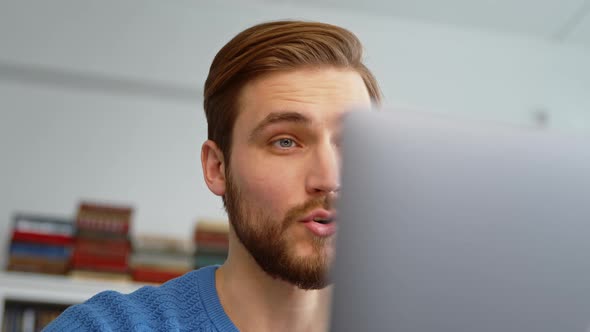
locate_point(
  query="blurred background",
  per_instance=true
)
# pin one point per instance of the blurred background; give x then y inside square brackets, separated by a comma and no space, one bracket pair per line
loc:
[102,101]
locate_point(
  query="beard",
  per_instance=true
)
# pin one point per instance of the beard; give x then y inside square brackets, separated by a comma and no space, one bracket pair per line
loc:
[268,242]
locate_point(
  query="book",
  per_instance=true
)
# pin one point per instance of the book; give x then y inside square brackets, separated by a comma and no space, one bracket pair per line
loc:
[163,260]
[104,218]
[38,224]
[212,226]
[102,247]
[80,274]
[161,244]
[40,244]
[100,235]
[28,320]
[216,239]
[211,236]
[44,317]
[37,264]
[102,241]
[42,238]
[28,316]
[155,275]
[99,263]
[39,250]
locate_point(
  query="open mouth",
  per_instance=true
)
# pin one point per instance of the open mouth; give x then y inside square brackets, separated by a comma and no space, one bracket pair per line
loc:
[323,221]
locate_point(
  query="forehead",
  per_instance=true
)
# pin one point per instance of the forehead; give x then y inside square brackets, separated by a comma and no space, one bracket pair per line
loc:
[320,94]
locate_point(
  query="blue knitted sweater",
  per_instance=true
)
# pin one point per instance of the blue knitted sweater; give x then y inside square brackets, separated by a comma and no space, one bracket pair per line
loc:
[187,303]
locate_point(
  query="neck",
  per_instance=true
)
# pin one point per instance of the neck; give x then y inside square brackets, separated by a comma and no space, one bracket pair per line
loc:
[255,301]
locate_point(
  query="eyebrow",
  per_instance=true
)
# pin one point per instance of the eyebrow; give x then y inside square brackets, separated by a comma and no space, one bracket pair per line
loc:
[278,117]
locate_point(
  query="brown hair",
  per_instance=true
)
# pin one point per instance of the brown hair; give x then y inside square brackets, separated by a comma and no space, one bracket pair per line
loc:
[271,47]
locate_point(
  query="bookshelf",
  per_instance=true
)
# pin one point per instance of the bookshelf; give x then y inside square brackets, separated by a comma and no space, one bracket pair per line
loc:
[50,289]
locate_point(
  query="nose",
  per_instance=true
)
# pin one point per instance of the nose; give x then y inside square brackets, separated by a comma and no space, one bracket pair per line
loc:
[323,175]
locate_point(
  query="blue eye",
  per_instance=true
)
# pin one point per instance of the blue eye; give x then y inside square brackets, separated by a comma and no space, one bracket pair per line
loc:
[284,143]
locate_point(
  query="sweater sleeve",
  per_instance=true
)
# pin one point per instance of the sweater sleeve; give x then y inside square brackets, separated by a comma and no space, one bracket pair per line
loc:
[113,311]
[174,306]
[93,315]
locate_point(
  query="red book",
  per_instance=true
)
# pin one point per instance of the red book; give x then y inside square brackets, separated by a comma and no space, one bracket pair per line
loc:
[146,274]
[100,263]
[52,239]
[104,218]
[209,236]
[106,226]
[211,240]
[101,247]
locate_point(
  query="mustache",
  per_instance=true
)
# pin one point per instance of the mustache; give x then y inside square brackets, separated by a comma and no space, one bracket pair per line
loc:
[295,213]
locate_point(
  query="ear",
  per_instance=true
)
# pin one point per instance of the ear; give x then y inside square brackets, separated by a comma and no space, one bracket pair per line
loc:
[213,165]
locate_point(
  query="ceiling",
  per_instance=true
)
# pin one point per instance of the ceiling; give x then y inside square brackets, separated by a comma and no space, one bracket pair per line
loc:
[559,20]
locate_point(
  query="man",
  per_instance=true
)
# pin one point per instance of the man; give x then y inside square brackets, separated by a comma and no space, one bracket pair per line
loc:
[273,100]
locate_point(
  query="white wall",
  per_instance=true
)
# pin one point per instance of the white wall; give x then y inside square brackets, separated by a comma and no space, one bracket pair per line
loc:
[59,144]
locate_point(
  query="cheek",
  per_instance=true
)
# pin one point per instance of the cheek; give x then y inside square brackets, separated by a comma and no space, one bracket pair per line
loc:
[267,182]
[264,186]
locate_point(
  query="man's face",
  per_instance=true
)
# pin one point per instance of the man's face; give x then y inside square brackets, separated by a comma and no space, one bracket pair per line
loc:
[285,167]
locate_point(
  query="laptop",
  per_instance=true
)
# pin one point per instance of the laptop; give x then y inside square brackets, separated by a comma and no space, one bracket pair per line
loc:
[449,225]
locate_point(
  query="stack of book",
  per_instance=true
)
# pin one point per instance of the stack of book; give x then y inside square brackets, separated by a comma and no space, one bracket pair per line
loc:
[40,244]
[211,241]
[102,245]
[157,259]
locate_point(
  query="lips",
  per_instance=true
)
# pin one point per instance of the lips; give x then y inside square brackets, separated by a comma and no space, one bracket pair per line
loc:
[321,222]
